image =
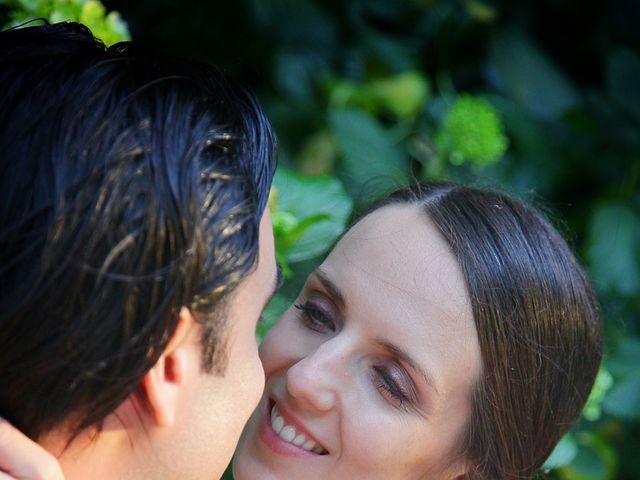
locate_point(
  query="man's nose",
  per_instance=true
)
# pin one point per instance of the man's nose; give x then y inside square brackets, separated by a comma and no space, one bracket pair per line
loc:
[314,379]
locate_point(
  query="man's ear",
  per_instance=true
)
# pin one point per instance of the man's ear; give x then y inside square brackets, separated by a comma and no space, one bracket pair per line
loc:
[164,385]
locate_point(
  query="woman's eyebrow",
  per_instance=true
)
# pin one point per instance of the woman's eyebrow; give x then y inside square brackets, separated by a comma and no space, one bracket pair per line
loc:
[331,287]
[391,349]
[397,352]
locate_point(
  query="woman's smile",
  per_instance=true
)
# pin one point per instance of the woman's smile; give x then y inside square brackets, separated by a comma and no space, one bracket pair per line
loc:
[369,373]
[286,435]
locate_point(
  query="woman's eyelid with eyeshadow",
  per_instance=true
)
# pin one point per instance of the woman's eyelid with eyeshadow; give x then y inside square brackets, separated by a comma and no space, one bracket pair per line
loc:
[318,310]
[315,318]
[315,289]
[389,377]
[395,374]
[314,292]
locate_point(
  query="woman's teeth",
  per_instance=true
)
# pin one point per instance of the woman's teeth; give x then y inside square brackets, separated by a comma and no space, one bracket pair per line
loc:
[289,434]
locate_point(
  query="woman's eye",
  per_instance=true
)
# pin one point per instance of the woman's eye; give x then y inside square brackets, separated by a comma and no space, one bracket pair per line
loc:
[315,318]
[390,389]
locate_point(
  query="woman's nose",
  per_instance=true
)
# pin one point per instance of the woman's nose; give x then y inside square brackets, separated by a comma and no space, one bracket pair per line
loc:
[313,379]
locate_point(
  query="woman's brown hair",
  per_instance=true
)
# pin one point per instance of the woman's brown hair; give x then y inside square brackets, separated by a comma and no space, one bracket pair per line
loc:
[537,321]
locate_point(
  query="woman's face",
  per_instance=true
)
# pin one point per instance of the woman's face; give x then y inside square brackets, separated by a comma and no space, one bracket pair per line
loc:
[369,374]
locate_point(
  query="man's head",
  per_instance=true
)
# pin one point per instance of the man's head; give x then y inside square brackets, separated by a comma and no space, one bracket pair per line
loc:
[132,190]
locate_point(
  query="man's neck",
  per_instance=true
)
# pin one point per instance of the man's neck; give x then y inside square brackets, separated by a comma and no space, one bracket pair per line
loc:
[113,452]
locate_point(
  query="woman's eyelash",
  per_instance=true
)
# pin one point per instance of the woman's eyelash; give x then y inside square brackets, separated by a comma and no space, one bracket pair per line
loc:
[389,388]
[314,318]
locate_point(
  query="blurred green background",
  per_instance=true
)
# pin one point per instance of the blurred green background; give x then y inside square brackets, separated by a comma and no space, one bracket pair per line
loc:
[540,97]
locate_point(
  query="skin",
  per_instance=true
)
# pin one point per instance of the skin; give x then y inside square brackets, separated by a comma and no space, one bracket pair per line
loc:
[230,399]
[187,422]
[330,370]
[213,419]
[24,458]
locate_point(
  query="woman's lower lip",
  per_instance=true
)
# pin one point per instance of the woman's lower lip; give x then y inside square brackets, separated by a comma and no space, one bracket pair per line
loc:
[271,439]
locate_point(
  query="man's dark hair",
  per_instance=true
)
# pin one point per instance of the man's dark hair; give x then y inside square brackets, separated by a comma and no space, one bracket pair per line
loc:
[131,184]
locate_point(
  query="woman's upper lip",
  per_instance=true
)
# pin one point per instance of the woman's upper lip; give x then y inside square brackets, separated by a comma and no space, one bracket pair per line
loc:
[290,419]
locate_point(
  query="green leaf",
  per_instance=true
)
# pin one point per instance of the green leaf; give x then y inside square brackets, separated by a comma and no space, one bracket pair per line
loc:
[623,75]
[301,24]
[595,460]
[593,408]
[565,451]
[626,359]
[535,160]
[296,234]
[276,307]
[67,12]
[92,13]
[30,5]
[480,11]
[624,399]
[296,74]
[613,248]
[321,208]
[526,75]
[317,154]
[108,28]
[372,163]
[472,132]
[403,95]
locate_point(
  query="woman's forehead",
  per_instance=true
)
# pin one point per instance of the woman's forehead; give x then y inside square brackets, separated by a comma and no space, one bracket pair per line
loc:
[399,250]
[399,279]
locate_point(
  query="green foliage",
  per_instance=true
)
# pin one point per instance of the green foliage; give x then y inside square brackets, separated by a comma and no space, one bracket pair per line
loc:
[472,132]
[594,460]
[623,73]
[309,214]
[110,28]
[402,95]
[623,400]
[371,162]
[480,11]
[542,98]
[564,453]
[593,408]
[529,77]
[615,227]
[465,90]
